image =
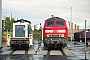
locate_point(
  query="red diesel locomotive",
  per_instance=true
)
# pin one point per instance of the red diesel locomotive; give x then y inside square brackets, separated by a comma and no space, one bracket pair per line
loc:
[55,33]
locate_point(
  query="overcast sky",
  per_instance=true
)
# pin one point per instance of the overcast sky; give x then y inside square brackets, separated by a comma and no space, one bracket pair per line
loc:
[37,11]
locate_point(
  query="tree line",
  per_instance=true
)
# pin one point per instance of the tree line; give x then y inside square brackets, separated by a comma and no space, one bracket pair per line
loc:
[8,24]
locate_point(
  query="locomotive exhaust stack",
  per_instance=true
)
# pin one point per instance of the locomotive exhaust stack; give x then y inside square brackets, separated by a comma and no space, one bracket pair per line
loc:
[52,16]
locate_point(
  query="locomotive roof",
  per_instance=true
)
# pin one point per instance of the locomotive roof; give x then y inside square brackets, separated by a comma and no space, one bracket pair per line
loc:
[55,18]
[23,20]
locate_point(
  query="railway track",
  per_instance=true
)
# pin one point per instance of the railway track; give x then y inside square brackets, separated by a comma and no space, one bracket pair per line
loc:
[11,54]
[48,53]
[26,52]
[62,52]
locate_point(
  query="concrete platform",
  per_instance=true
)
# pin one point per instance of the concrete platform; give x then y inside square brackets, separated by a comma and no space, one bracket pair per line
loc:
[55,52]
[19,52]
[68,52]
[31,51]
[43,52]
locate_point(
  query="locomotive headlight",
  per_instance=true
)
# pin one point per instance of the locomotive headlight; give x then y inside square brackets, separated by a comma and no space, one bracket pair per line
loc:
[11,42]
[27,42]
[63,31]
[24,28]
[47,41]
[51,39]
[47,35]
[59,39]
[48,31]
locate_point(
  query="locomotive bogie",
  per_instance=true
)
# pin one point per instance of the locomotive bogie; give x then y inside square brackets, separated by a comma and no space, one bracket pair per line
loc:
[55,42]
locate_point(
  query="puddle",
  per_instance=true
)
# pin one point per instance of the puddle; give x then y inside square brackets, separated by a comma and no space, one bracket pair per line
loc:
[38,46]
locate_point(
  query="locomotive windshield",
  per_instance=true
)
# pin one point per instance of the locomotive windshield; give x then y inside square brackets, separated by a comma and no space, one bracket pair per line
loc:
[59,23]
[50,23]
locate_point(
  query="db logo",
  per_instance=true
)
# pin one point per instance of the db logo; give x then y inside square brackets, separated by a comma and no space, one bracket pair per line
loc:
[55,31]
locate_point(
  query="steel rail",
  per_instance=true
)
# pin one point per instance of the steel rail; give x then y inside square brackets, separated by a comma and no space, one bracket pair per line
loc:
[9,54]
[48,53]
[26,52]
[64,54]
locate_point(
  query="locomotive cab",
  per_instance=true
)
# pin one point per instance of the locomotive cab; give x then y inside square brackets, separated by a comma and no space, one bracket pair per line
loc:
[55,33]
[22,34]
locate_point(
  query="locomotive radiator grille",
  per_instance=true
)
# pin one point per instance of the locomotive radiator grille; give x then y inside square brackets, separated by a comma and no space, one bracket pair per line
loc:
[55,35]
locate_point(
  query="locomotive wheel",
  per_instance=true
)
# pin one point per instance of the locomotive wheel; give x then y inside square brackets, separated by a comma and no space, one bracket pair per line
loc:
[49,47]
[45,45]
[27,46]
[24,46]
[61,46]
[12,46]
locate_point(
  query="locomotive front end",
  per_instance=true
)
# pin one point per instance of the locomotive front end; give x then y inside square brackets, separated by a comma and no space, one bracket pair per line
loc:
[55,33]
[22,36]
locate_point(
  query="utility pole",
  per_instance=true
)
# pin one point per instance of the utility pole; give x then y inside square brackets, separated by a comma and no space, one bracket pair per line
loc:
[0,23]
[71,24]
[75,26]
[85,40]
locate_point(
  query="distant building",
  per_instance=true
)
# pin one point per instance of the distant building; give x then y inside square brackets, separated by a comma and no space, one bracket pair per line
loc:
[35,26]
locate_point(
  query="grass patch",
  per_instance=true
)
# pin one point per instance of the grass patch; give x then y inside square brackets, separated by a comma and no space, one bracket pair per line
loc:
[5,33]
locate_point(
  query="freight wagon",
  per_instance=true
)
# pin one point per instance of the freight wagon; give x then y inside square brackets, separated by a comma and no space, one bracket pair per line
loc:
[81,36]
[22,34]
